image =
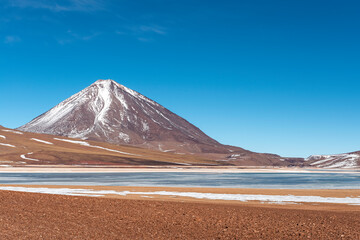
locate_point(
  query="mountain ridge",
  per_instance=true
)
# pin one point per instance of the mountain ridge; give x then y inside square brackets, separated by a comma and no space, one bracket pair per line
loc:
[343,160]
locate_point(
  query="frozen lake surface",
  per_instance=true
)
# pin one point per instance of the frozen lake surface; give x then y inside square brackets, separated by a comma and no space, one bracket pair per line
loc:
[336,180]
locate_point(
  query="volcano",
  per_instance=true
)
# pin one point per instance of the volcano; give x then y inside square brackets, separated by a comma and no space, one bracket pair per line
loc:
[109,112]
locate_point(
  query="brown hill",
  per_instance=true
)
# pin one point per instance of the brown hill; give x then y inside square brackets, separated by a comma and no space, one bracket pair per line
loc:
[21,148]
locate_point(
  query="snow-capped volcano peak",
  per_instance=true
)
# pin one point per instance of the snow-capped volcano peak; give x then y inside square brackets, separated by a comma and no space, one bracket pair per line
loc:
[108,111]
[99,81]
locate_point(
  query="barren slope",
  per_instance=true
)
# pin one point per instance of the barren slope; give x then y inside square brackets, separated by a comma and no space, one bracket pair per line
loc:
[21,148]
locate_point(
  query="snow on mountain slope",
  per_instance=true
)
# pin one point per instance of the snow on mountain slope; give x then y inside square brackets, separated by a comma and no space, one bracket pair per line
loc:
[346,160]
[7,145]
[110,112]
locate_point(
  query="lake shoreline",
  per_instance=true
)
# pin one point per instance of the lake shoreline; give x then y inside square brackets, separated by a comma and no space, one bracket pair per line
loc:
[148,193]
[185,169]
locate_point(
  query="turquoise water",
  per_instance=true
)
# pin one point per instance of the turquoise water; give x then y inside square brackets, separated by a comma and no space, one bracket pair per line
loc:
[233,180]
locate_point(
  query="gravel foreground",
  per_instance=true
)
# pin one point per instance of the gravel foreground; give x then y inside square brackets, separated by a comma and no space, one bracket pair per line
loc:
[41,216]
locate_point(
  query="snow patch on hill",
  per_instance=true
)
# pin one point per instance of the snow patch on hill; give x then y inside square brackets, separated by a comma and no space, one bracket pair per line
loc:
[41,141]
[74,141]
[23,156]
[7,145]
[12,131]
[83,143]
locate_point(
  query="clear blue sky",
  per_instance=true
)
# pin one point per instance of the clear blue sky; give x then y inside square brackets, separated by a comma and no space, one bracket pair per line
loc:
[269,76]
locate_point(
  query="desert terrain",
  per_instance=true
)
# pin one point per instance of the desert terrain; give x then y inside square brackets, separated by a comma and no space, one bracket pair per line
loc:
[36,216]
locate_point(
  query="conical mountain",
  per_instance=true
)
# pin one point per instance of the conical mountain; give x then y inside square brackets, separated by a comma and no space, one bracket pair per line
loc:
[110,112]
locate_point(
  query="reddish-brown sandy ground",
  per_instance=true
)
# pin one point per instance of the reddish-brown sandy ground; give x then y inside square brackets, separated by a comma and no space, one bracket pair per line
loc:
[42,216]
